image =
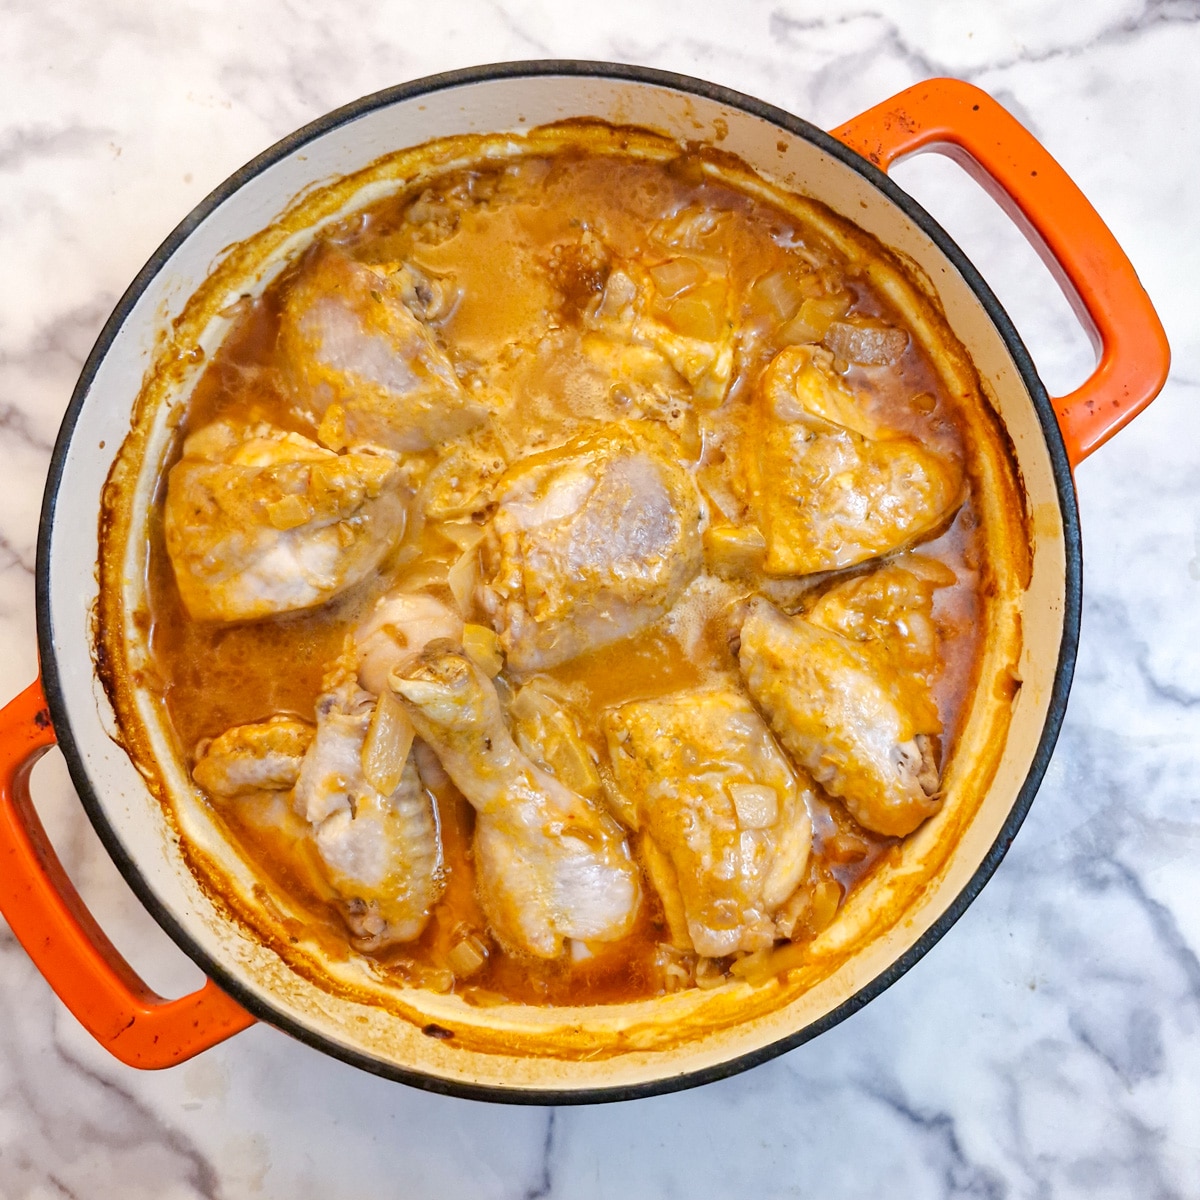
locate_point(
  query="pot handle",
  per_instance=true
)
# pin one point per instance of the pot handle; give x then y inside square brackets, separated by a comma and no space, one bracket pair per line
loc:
[46,913]
[961,121]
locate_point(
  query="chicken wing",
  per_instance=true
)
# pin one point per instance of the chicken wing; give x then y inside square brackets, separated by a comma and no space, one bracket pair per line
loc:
[889,614]
[718,800]
[260,757]
[249,771]
[363,364]
[590,543]
[829,487]
[846,715]
[550,866]
[381,848]
[259,521]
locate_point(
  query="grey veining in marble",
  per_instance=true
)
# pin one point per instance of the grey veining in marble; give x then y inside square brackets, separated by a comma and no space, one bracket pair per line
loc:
[1049,1046]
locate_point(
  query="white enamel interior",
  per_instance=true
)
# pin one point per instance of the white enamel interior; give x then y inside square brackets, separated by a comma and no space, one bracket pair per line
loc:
[135,816]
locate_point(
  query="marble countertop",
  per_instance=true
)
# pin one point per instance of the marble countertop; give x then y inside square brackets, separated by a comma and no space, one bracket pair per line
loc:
[1049,1045]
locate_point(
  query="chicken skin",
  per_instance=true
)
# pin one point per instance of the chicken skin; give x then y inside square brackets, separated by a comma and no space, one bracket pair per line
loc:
[829,488]
[723,816]
[550,866]
[361,362]
[843,712]
[589,543]
[259,521]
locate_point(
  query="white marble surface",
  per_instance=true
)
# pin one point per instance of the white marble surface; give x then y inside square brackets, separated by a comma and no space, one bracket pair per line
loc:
[1049,1046]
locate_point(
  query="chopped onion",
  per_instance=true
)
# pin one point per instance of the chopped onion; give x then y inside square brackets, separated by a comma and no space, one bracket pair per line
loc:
[929,569]
[764,965]
[676,275]
[675,966]
[845,847]
[437,980]
[290,512]
[482,647]
[756,805]
[700,313]
[781,293]
[866,341]
[546,733]
[466,956]
[735,547]
[568,761]
[482,998]
[332,430]
[826,898]
[812,322]
[424,575]
[388,741]
[530,704]
[462,578]
[787,919]
[709,974]
[466,535]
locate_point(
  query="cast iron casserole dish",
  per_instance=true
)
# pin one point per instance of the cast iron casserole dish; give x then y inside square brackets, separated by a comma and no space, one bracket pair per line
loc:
[844,171]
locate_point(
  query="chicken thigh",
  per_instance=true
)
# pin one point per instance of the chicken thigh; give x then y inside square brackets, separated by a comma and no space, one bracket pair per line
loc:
[363,364]
[259,521]
[550,866]
[723,812]
[829,487]
[589,543]
[845,714]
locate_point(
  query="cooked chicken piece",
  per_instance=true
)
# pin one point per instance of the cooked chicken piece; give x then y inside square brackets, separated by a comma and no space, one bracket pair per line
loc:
[845,714]
[362,363]
[250,771]
[590,543]
[262,757]
[679,308]
[381,848]
[259,521]
[550,866]
[641,384]
[395,632]
[828,486]
[891,610]
[714,796]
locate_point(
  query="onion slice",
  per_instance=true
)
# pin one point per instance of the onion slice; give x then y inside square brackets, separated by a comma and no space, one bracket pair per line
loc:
[388,741]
